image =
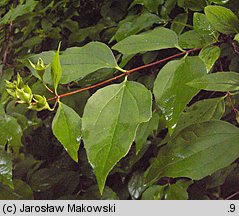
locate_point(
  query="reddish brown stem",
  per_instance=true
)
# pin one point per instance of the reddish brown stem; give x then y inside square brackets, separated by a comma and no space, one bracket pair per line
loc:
[123,74]
[4,60]
[231,102]
[231,196]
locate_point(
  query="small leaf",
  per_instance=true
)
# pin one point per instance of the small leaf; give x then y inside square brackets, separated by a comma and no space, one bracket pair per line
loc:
[210,55]
[218,178]
[150,5]
[66,126]
[154,192]
[178,191]
[236,38]
[56,70]
[20,10]
[170,89]
[134,24]
[197,151]
[222,19]
[179,23]
[157,39]
[194,5]
[21,191]
[10,132]
[5,168]
[110,121]
[220,81]
[202,110]
[237,117]
[219,1]
[3,79]
[136,185]
[44,179]
[201,25]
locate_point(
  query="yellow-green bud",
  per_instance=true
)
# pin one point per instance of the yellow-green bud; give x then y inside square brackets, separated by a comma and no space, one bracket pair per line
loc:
[40,103]
[10,85]
[40,67]
[19,83]
[24,95]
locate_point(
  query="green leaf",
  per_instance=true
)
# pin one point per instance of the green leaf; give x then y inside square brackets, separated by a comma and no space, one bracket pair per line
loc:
[210,55]
[201,25]
[3,3]
[218,178]
[194,5]
[237,117]
[5,76]
[192,39]
[170,89]
[20,10]
[179,23]
[197,151]
[230,184]
[154,192]
[135,24]
[236,38]
[5,168]
[222,19]
[110,121]
[10,132]
[202,110]
[77,62]
[136,185]
[56,71]
[157,39]
[220,81]
[178,191]
[47,179]
[21,191]
[66,127]
[150,5]
[219,1]
[234,65]
[167,7]
[144,130]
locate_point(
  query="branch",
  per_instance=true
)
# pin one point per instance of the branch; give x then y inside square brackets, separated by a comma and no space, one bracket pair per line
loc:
[7,44]
[231,196]
[123,74]
[231,102]
[8,36]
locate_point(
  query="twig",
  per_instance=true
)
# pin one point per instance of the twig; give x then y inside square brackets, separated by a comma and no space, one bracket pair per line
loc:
[48,88]
[231,196]
[232,105]
[8,36]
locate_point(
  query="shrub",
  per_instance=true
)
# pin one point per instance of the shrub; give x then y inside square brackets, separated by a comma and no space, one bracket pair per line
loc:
[139,100]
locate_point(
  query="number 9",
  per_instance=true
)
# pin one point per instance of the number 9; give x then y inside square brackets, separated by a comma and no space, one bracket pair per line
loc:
[232,207]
